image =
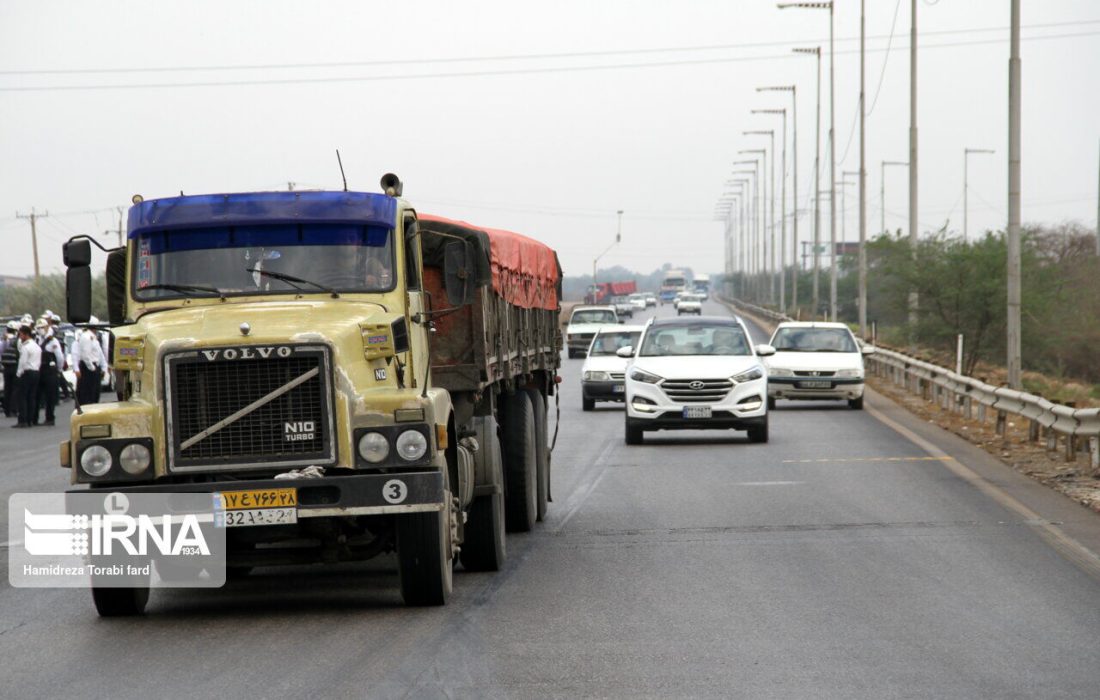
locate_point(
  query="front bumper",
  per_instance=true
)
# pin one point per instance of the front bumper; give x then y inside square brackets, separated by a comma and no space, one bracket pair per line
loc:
[330,496]
[728,413]
[792,388]
[613,390]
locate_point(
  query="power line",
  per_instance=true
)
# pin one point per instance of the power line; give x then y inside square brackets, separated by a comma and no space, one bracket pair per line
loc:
[499,72]
[504,57]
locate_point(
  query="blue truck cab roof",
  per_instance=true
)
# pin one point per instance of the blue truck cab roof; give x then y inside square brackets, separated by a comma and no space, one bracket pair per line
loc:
[261,209]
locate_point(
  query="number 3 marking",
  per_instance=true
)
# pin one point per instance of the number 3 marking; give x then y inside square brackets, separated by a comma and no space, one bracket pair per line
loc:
[395,491]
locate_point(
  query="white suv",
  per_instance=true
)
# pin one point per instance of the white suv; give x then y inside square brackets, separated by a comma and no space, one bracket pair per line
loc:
[816,361]
[696,374]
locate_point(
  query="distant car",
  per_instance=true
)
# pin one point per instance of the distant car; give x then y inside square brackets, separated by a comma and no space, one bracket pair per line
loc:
[623,307]
[696,374]
[816,361]
[650,299]
[638,300]
[689,304]
[583,324]
[604,372]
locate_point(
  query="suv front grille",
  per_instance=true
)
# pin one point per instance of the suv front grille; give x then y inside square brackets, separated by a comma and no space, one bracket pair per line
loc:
[704,391]
[249,407]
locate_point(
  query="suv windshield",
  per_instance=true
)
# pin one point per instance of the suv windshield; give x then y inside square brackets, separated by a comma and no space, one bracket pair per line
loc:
[263,260]
[695,339]
[594,316]
[609,343]
[814,340]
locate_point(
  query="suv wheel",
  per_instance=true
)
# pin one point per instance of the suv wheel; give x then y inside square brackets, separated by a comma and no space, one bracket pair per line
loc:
[634,434]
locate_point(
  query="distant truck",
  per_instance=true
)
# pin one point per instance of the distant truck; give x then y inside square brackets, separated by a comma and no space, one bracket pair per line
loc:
[701,285]
[674,282]
[258,335]
[604,292]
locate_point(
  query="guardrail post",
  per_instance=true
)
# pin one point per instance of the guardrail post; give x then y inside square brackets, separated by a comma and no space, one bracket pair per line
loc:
[1094,453]
[1001,420]
[1052,440]
[1071,448]
[1033,431]
[968,406]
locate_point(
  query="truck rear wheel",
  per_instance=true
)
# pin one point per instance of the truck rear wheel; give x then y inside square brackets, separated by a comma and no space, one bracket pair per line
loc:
[424,555]
[542,454]
[520,461]
[120,602]
[483,548]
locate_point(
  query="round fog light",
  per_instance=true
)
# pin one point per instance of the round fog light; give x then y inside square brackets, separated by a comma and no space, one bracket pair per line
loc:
[373,447]
[134,458]
[96,460]
[411,445]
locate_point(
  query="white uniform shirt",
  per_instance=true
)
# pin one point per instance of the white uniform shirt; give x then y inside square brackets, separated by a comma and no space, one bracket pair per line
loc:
[54,345]
[30,357]
[87,349]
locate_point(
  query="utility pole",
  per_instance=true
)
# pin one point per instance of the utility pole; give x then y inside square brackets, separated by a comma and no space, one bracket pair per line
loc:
[794,235]
[769,262]
[832,167]
[782,209]
[816,51]
[1098,208]
[34,217]
[862,302]
[1013,232]
[966,188]
[618,237]
[914,299]
[882,188]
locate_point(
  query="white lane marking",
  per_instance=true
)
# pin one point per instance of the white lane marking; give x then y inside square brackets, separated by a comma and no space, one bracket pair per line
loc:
[767,483]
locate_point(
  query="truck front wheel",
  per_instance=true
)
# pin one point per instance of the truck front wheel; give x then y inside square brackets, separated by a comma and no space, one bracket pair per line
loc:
[424,555]
[520,461]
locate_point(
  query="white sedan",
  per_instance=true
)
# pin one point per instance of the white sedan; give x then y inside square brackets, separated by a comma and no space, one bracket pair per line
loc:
[604,372]
[816,361]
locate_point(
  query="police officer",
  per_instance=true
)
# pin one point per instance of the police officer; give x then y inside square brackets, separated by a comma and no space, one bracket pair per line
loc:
[9,358]
[53,359]
[88,362]
[30,358]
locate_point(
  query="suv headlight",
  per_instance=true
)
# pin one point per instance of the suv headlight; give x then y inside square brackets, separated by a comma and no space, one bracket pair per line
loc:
[849,373]
[640,375]
[747,376]
[96,460]
[596,377]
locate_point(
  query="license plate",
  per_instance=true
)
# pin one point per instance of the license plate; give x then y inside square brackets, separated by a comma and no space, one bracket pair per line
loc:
[251,517]
[257,507]
[618,389]
[815,385]
[697,412]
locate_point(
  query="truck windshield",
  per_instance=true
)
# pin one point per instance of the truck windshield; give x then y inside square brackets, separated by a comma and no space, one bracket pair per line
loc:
[263,260]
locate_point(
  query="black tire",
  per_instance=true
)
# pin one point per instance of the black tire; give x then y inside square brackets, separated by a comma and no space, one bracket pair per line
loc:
[759,433]
[572,353]
[424,556]
[587,404]
[856,404]
[120,602]
[517,420]
[484,548]
[771,403]
[542,454]
[634,434]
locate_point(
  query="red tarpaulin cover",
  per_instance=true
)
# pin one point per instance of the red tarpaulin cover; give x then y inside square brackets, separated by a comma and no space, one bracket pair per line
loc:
[525,272]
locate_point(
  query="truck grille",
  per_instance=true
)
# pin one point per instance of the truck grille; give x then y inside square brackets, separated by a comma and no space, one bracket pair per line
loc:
[249,407]
[696,390]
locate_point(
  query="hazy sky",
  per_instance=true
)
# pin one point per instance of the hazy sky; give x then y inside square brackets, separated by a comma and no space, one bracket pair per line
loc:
[550,146]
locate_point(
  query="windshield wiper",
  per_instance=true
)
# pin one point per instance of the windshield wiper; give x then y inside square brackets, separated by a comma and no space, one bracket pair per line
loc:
[291,279]
[184,288]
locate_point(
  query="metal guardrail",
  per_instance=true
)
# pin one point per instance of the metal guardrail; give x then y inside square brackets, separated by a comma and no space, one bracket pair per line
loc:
[1077,427]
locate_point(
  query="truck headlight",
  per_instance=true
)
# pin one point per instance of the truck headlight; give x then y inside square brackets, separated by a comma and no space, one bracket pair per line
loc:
[411,445]
[134,458]
[754,373]
[596,377]
[95,461]
[374,447]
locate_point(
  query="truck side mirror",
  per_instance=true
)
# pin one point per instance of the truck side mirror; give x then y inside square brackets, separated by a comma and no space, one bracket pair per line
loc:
[116,287]
[458,274]
[77,255]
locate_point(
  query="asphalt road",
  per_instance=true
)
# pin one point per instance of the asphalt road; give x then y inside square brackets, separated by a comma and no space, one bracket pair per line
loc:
[843,559]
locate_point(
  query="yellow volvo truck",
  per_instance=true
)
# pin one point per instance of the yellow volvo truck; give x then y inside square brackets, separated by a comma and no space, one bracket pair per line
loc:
[345,377]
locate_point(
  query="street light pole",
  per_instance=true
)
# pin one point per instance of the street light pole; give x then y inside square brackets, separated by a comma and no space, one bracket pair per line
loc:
[914,300]
[862,302]
[1013,233]
[966,188]
[769,255]
[816,52]
[759,245]
[782,210]
[752,229]
[618,237]
[794,233]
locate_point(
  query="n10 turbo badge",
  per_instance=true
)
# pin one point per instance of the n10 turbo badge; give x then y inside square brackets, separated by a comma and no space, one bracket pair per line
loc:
[299,430]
